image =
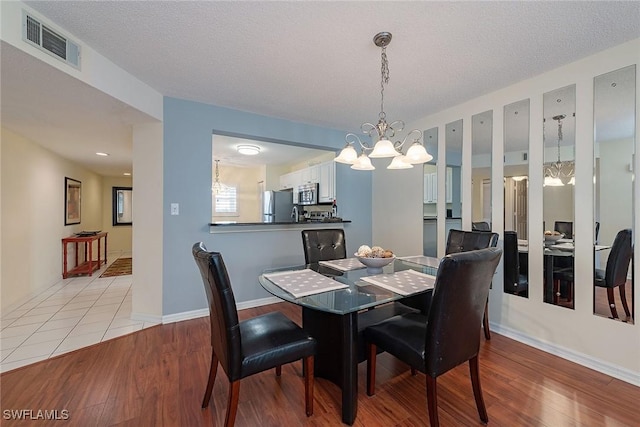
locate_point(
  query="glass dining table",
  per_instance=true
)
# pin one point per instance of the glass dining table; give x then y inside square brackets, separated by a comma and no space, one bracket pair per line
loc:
[560,249]
[336,318]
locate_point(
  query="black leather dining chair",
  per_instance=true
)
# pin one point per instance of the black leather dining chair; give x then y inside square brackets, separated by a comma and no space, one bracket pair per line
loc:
[564,227]
[459,241]
[323,245]
[514,281]
[480,226]
[615,274]
[448,335]
[251,346]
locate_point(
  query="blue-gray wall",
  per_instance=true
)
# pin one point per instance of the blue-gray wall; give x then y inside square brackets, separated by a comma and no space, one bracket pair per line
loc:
[187,180]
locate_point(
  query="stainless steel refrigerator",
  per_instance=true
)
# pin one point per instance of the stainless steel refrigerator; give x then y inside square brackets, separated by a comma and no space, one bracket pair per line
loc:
[277,206]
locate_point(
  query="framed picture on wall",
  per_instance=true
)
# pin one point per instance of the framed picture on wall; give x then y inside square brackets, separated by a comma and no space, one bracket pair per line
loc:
[72,198]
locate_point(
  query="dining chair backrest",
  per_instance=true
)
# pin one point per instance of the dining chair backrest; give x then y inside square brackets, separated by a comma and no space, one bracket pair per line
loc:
[223,314]
[480,226]
[459,298]
[463,241]
[564,227]
[323,245]
[619,259]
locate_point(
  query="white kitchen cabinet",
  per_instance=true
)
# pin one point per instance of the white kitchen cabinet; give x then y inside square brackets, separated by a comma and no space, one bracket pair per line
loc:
[327,182]
[310,175]
[430,187]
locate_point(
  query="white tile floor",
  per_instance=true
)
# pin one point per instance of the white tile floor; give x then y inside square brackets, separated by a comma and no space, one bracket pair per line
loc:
[74,313]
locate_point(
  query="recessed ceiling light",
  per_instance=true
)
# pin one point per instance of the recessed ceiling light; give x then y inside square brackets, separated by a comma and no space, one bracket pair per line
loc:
[248,150]
[99,153]
[127,174]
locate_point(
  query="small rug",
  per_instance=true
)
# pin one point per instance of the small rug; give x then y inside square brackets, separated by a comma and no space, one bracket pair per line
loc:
[120,267]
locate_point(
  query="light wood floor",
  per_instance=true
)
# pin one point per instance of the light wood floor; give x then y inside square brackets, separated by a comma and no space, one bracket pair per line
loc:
[156,377]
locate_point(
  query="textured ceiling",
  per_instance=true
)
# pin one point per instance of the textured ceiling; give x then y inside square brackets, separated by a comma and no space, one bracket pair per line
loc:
[315,62]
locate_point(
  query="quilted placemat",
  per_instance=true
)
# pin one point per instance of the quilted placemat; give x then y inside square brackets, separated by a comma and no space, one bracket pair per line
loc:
[423,260]
[301,283]
[344,264]
[403,282]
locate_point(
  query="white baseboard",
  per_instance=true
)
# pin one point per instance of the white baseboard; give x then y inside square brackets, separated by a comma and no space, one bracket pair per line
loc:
[186,315]
[258,302]
[194,314]
[568,354]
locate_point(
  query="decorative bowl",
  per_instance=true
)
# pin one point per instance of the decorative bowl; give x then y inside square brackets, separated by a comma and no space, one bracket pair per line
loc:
[552,238]
[374,265]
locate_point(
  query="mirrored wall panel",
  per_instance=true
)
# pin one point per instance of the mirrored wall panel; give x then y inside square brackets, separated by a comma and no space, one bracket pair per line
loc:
[516,198]
[558,195]
[453,176]
[481,140]
[430,202]
[614,122]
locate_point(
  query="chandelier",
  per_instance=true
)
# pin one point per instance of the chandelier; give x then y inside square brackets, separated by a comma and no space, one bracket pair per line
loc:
[383,132]
[217,186]
[556,172]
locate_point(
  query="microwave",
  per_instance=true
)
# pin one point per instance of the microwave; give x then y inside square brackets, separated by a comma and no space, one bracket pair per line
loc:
[308,194]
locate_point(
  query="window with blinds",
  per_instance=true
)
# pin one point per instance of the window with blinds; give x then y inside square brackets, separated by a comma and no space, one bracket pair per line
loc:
[226,202]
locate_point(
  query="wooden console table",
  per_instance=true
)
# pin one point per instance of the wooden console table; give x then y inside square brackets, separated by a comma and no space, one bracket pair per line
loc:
[89,265]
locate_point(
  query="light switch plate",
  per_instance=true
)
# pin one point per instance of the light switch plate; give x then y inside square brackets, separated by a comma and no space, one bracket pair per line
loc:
[175,209]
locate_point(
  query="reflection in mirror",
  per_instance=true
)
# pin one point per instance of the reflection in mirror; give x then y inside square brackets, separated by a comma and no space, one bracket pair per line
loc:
[429,208]
[453,177]
[558,195]
[516,198]
[257,181]
[614,122]
[481,138]
[121,205]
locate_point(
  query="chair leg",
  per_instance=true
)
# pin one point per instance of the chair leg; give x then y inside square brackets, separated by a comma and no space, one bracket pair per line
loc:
[371,369]
[213,369]
[623,297]
[477,390]
[432,401]
[308,385]
[612,303]
[414,371]
[232,404]
[485,321]
[556,291]
[278,370]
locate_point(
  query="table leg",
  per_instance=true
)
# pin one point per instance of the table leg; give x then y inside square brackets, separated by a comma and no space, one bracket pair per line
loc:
[99,259]
[105,249]
[90,257]
[336,358]
[64,260]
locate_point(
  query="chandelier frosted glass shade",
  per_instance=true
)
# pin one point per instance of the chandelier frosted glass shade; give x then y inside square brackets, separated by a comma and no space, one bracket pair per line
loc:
[384,148]
[552,182]
[363,163]
[417,154]
[348,155]
[400,162]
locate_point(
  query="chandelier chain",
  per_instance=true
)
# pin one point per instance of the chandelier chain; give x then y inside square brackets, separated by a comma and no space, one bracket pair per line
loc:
[384,74]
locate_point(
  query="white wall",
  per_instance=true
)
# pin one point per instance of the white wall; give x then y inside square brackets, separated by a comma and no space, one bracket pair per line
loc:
[33,181]
[248,196]
[148,215]
[575,334]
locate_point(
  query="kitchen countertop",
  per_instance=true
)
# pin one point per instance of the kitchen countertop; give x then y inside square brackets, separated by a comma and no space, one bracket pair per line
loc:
[232,223]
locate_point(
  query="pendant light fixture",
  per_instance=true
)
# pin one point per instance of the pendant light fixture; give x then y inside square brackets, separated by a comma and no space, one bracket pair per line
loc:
[383,132]
[555,172]
[217,186]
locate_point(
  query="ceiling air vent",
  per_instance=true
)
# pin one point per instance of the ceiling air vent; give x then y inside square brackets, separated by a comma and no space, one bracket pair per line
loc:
[43,37]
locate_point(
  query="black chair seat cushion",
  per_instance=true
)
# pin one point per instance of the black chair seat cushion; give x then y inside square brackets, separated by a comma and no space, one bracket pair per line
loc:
[272,340]
[402,336]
